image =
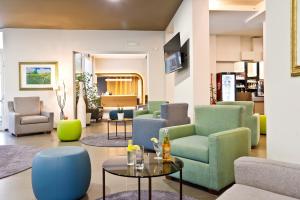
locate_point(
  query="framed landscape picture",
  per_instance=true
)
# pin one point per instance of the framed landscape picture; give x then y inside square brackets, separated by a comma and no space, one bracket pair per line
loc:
[37,75]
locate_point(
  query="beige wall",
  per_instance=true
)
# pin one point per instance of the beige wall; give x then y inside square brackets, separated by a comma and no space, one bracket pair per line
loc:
[58,45]
[282,94]
[191,85]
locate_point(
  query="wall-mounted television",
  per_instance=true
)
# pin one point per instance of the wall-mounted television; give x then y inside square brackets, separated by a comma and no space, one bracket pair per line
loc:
[172,52]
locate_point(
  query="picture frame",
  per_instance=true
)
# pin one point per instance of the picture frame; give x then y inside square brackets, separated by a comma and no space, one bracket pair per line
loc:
[37,75]
[295,36]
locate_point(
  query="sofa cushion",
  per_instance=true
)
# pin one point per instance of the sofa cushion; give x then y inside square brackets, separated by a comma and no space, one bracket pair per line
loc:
[249,193]
[27,105]
[34,119]
[193,147]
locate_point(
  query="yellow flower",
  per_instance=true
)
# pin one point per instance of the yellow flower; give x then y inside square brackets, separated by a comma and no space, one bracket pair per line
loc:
[154,140]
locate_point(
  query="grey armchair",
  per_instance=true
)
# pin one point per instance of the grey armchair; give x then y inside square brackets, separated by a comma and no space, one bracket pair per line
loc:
[25,116]
[146,128]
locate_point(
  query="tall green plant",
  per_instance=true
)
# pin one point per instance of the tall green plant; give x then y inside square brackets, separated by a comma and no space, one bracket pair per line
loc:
[90,90]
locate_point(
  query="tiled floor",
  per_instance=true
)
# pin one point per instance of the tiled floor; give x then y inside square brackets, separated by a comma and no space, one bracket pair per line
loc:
[18,187]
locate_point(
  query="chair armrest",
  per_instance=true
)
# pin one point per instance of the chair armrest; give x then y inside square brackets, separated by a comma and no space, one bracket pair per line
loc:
[274,176]
[254,125]
[140,112]
[47,114]
[14,122]
[180,131]
[156,114]
[224,147]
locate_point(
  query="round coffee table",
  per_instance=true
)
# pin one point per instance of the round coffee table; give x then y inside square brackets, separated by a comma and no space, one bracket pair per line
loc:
[152,168]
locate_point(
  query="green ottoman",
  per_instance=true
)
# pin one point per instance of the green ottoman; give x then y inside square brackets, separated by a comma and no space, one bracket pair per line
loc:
[263,124]
[69,130]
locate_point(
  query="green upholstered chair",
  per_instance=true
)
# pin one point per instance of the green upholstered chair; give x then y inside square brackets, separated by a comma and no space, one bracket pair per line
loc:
[152,111]
[252,121]
[209,147]
[69,130]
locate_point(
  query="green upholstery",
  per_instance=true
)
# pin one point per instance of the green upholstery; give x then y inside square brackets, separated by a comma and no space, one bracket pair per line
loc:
[263,124]
[208,156]
[69,130]
[252,121]
[153,110]
[187,146]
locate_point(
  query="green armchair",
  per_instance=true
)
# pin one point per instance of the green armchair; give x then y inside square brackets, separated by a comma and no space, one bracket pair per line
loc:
[252,120]
[209,147]
[152,111]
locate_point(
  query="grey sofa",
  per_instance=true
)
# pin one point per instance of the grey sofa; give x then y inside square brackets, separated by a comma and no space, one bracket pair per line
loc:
[25,116]
[261,179]
[146,128]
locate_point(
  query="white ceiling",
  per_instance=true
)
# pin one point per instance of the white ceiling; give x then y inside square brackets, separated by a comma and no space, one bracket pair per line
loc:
[234,23]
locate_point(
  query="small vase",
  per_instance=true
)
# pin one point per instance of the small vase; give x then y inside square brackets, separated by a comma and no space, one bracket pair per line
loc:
[120,116]
[81,107]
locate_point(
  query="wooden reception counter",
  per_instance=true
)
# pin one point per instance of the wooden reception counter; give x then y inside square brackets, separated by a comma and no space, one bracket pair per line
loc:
[118,100]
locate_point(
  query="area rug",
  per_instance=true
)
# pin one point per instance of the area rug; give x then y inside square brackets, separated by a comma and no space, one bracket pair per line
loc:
[15,159]
[100,140]
[157,195]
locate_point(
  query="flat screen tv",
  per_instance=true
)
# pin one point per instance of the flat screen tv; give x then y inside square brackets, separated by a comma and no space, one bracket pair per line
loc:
[173,61]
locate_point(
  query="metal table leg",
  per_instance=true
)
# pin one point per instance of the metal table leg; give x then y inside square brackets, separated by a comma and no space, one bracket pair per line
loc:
[108,129]
[103,183]
[139,189]
[180,184]
[150,189]
[125,128]
[116,128]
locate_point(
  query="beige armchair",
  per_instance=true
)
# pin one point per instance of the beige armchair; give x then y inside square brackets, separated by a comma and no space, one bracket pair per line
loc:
[25,116]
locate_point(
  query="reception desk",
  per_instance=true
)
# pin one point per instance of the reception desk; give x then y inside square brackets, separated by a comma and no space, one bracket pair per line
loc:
[118,100]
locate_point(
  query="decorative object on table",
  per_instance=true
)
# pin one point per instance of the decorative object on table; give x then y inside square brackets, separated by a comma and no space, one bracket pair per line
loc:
[166,146]
[61,173]
[37,75]
[125,121]
[118,166]
[130,153]
[90,94]
[295,47]
[81,106]
[139,157]
[15,159]
[120,113]
[113,114]
[26,116]
[157,146]
[69,130]
[156,194]
[100,140]
[263,124]
[60,91]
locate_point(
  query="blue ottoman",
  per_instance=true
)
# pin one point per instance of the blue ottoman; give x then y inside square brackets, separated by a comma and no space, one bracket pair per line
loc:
[61,173]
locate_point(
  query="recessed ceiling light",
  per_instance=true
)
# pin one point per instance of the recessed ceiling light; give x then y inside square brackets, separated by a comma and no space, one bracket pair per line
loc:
[114,1]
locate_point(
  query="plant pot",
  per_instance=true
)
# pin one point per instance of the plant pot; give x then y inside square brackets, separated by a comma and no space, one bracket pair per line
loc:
[88,118]
[120,116]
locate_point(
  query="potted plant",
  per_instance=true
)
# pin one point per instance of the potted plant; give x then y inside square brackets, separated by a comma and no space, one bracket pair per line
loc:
[120,113]
[91,97]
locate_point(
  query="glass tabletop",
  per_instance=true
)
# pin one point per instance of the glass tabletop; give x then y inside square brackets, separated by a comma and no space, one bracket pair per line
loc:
[152,167]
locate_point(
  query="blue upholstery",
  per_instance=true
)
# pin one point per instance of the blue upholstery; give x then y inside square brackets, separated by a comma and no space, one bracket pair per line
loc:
[145,129]
[113,115]
[61,173]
